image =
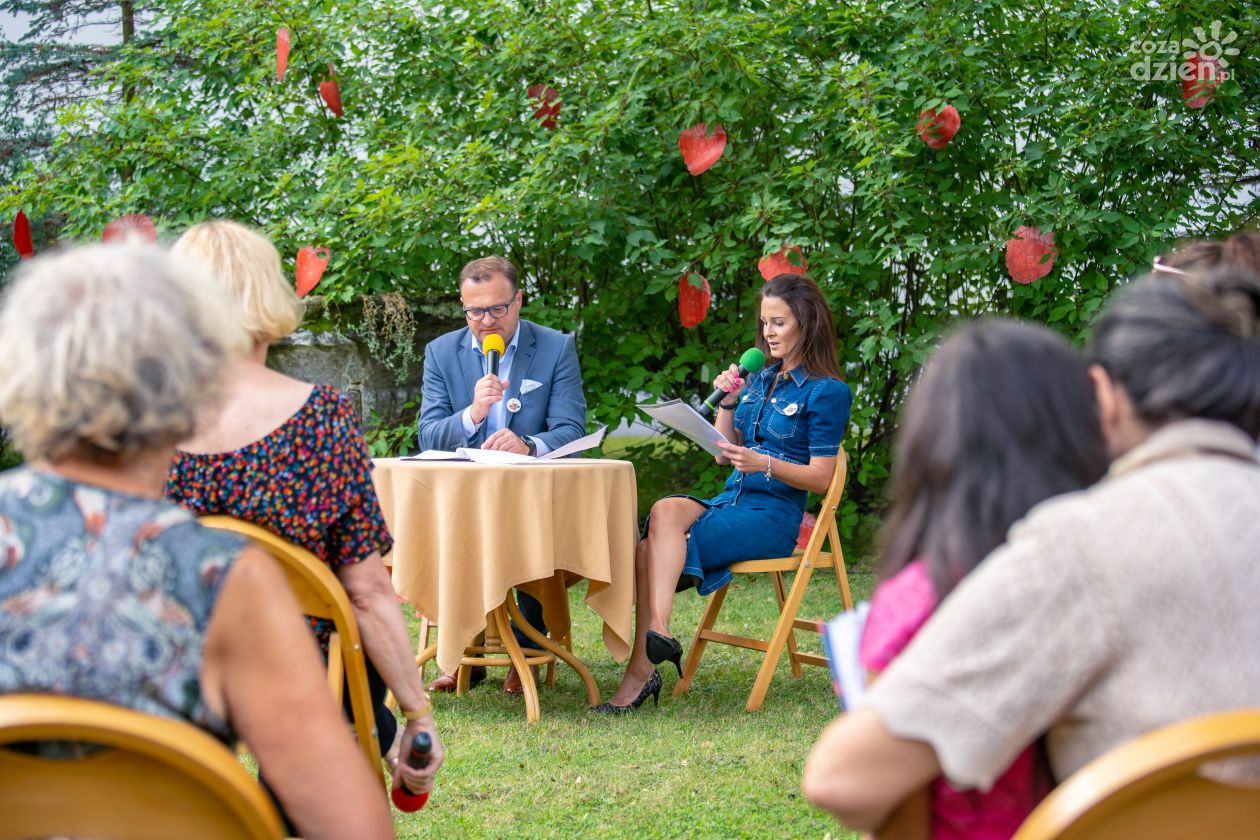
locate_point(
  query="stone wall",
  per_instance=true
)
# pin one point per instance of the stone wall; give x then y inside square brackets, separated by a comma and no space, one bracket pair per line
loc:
[336,352]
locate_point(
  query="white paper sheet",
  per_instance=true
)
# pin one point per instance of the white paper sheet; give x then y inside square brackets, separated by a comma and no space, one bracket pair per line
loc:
[685,420]
[494,456]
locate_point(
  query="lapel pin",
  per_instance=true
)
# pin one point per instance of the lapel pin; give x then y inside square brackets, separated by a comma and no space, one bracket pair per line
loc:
[514,405]
[790,410]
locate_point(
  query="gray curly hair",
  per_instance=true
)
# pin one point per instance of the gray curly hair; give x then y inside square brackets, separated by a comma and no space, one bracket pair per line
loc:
[111,350]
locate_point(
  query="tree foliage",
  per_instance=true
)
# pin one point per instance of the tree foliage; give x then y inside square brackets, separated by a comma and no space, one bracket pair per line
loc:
[439,158]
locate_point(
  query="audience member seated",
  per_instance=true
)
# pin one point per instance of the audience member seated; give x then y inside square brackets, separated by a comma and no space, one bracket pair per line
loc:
[291,457]
[1109,612]
[1002,418]
[1241,251]
[110,593]
[786,425]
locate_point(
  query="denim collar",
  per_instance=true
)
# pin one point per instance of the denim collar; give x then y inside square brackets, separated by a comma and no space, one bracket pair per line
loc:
[797,374]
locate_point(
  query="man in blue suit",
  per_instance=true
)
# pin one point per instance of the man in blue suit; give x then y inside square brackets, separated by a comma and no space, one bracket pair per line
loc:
[533,406]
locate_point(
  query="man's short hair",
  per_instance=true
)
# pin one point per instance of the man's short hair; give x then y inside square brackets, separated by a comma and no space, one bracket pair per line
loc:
[485,269]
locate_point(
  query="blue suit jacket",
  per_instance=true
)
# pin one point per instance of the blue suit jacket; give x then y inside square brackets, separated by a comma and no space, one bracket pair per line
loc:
[554,412]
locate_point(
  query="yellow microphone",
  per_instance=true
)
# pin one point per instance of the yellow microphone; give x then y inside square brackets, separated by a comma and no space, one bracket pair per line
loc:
[492,346]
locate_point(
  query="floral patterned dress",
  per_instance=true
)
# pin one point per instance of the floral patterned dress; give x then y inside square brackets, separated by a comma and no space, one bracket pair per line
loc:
[309,481]
[106,596]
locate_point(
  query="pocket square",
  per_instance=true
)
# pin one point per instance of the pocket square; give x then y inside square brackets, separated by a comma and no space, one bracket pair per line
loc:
[530,385]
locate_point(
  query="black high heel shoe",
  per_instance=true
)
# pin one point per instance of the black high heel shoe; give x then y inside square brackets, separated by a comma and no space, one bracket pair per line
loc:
[652,687]
[661,647]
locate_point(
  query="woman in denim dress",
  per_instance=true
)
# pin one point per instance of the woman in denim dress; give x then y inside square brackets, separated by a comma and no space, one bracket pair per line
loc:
[786,422]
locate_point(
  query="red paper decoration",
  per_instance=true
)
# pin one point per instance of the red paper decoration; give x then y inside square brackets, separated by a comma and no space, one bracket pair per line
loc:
[700,150]
[1025,253]
[22,236]
[124,227]
[693,299]
[311,262]
[282,52]
[545,112]
[1199,77]
[937,129]
[331,92]
[778,263]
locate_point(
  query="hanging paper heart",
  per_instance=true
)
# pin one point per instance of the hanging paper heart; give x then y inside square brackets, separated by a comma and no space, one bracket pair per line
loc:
[311,262]
[22,236]
[693,299]
[1199,77]
[780,263]
[938,129]
[1026,254]
[331,92]
[700,150]
[282,52]
[545,112]
[125,227]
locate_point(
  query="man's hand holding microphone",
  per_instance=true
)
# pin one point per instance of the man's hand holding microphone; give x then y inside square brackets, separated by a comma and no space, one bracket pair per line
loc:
[489,390]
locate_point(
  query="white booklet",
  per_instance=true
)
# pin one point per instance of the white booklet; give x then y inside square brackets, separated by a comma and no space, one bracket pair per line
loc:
[842,641]
[684,419]
[493,456]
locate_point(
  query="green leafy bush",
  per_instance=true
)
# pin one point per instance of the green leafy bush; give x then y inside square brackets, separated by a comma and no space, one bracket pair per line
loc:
[439,158]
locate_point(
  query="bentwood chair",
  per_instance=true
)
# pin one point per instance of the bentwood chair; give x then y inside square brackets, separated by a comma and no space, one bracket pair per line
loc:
[321,595]
[804,562]
[121,774]
[1161,786]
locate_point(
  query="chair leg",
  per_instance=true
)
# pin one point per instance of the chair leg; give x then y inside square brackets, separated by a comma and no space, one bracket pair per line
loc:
[837,562]
[782,631]
[791,639]
[692,662]
[426,630]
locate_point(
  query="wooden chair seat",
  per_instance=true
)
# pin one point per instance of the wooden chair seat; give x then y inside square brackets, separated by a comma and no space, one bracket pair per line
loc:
[803,562]
[1152,787]
[321,595]
[152,778]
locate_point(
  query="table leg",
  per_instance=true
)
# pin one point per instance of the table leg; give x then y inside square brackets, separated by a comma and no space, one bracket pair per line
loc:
[592,691]
[533,711]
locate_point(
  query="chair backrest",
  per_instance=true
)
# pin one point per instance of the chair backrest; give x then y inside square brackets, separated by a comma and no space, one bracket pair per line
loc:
[1152,787]
[321,595]
[152,777]
[826,522]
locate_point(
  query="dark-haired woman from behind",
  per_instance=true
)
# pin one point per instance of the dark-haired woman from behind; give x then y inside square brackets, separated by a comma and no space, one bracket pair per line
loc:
[786,422]
[1002,419]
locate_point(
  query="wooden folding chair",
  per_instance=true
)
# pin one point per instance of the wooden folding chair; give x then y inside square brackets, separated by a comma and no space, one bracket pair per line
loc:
[804,563]
[1152,788]
[321,595]
[150,778]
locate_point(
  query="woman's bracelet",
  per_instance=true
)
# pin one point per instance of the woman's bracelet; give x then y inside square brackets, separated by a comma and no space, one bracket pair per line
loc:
[426,708]
[769,471]
[729,406]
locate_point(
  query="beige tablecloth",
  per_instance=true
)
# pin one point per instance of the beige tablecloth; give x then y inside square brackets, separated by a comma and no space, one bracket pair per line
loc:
[465,534]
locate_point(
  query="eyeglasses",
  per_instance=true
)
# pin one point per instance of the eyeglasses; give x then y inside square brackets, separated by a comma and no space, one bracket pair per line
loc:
[476,313]
[1159,266]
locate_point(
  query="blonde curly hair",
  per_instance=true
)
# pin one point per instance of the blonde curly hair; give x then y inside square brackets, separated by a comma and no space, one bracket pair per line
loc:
[107,351]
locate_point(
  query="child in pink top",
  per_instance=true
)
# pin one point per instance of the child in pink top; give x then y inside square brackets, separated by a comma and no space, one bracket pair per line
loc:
[1002,418]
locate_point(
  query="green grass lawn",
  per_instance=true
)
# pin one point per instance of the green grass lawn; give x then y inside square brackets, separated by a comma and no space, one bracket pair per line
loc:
[698,766]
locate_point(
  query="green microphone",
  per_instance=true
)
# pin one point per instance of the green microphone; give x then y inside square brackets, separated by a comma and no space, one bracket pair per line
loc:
[752,361]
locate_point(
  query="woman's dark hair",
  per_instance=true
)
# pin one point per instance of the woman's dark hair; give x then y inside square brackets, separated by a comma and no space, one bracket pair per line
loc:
[813,316]
[1242,250]
[1185,346]
[1002,417]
